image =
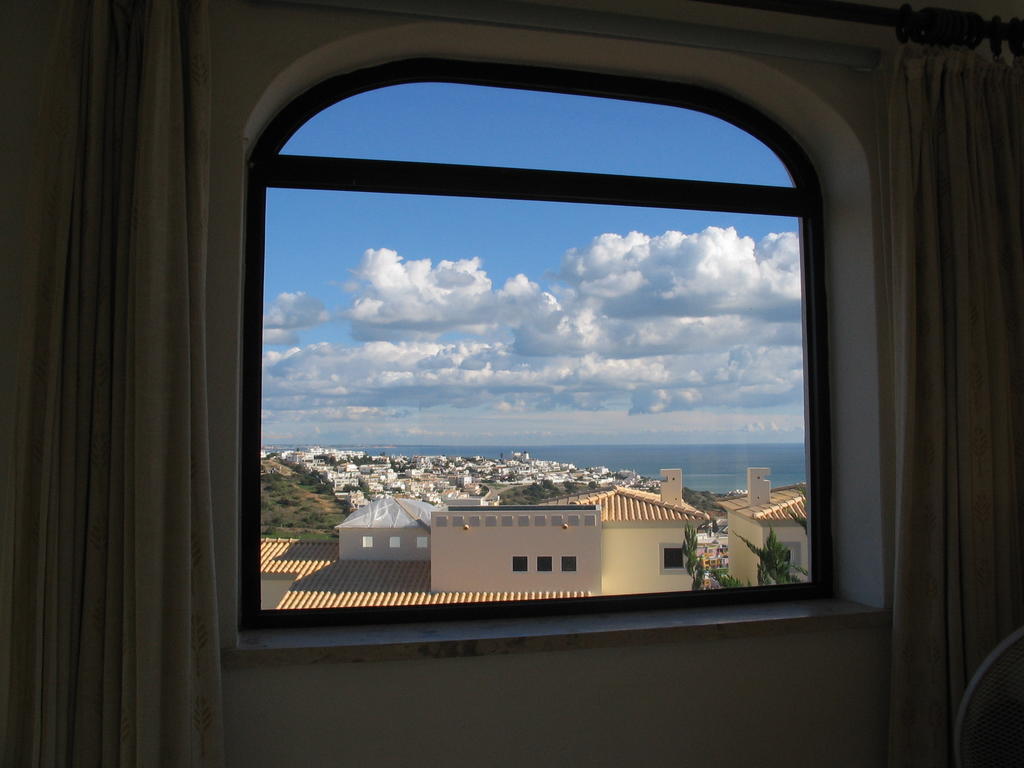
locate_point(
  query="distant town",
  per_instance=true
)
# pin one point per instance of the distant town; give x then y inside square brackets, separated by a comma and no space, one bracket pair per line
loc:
[343,527]
[357,476]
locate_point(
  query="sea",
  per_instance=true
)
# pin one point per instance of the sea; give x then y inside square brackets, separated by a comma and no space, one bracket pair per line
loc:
[717,468]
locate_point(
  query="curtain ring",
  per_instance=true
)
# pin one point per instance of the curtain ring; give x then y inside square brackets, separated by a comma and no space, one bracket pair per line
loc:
[945,30]
[995,41]
[963,31]
[923,25]
[903,24]
[979,30]
[1015,36]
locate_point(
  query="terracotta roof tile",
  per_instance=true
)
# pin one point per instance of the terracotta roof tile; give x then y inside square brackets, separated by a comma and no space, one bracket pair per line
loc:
[786,503]
[327,599]
[629,505]
[295,556]
[323,581]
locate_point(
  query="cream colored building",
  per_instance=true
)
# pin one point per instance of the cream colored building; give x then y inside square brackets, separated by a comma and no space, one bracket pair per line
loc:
[613,541]
[756,515]
[308,574]
[516,549]
[642,535]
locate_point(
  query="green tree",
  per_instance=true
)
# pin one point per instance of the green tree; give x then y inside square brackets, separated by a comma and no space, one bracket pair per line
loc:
[694,563]
[774,566]
[727,580]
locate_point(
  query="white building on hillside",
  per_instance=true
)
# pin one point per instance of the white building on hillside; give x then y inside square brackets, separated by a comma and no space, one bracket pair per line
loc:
[387,529]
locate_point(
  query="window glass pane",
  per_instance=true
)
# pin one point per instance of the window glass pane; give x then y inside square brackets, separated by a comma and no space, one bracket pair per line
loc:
[426,349]
[519,563]
[544,563]
[673,557]
[482,125]
[568,563]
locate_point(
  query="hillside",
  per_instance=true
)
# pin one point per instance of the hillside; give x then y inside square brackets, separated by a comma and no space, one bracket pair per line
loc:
[295,503]
[537,493]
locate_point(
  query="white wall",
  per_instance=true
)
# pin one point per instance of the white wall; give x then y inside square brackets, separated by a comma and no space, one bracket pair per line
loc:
[273,587]
[743,562]
[527,709]
[632,559]
[472,556]
[513,710]
[350,544]
[655,705]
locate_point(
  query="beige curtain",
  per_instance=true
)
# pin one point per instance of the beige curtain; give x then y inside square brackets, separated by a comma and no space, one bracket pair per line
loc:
[956,279]
[108,584]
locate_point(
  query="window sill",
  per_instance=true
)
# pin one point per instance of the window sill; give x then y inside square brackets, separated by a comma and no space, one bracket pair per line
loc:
[336,645]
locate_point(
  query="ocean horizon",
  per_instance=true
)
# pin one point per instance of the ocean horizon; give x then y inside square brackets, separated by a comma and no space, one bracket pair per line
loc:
[717,467]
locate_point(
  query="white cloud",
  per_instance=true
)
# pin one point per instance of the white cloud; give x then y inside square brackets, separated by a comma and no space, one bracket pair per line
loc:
[419,297]
[674,274]
[639,324]
[290,312]
[279,336]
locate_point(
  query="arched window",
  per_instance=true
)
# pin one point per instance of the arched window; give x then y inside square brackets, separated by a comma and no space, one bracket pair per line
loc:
[486,306]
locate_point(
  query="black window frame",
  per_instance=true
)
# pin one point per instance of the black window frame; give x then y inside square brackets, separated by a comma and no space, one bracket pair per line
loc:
[268,168]
[544,564]
[520,564]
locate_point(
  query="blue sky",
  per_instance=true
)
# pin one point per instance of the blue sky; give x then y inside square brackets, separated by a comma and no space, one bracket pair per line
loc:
[415,319]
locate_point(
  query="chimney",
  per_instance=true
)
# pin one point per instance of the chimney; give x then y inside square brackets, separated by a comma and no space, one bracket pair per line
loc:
[759,489]
[672,486]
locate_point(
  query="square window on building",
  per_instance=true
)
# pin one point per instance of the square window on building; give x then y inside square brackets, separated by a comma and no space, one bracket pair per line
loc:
[544,563]
[367,542]
[441,522]
[574,519]
[590,520]
[540,520]
[458,520]
[524,520]
[421,542]
[491,521]
[506,521]
[395,542]
[672,557]
[568,563]
[519,563]
[475,521]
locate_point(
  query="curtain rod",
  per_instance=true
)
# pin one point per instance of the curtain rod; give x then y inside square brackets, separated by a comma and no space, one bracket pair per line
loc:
[931,26]
[922,26]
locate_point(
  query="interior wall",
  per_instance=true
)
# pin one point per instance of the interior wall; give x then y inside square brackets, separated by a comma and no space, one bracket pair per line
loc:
[265,55]
[761,701]
[814,699]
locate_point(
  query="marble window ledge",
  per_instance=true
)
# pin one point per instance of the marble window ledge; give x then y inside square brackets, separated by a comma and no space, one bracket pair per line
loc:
[335,645]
